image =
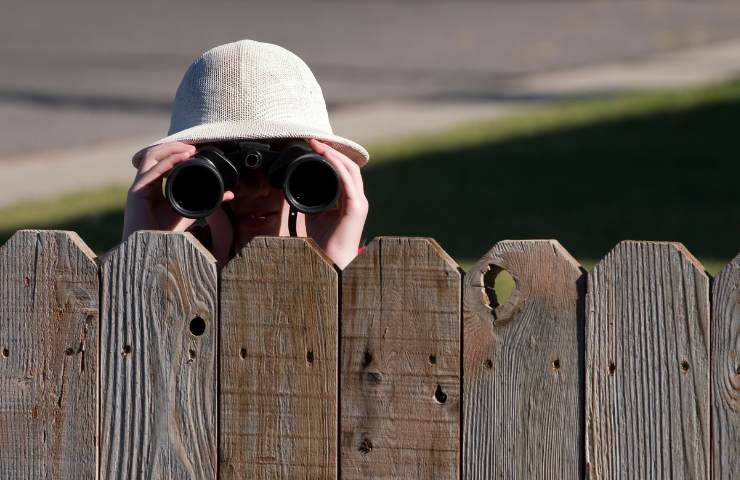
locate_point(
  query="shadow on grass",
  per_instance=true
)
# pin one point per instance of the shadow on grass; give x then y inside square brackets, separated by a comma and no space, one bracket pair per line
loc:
[668,176]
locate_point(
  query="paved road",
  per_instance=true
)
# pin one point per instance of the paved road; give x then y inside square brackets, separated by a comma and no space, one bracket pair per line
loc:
[84,72]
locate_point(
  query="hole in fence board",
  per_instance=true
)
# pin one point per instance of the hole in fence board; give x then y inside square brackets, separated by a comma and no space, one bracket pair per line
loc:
[197,326]
[498,285]
[243,353]
[126,350]
[432,359]
[6,353]
[439,395]
[556,364]
[69,351]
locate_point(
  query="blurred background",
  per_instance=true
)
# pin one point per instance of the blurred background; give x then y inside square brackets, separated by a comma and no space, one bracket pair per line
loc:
[585,121]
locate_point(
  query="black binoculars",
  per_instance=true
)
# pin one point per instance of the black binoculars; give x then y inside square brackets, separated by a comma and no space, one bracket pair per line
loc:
[196,187]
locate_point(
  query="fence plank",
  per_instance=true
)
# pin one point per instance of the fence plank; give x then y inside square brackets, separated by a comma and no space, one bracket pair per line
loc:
[158,359]
[48,356]
[726,373]
[647,387]
[400,362]
[279,333]
[522,365]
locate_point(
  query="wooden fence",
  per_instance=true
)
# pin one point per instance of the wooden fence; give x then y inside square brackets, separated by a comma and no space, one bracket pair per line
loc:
[149,362]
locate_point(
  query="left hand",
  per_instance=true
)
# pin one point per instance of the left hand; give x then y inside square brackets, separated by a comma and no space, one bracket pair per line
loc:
[338,231]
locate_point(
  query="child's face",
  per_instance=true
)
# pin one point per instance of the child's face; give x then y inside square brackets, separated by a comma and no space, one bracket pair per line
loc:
[260,208]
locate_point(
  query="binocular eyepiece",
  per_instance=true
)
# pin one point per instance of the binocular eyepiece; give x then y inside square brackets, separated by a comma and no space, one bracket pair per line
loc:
[196,187]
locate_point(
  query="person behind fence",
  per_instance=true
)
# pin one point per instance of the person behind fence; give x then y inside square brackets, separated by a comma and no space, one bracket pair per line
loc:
[250,91]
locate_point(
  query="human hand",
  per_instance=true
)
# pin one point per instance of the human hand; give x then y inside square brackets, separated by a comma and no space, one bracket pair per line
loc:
[146,206]
[338,231]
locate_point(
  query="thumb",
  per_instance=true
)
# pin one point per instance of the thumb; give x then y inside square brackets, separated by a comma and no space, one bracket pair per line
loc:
[222,235]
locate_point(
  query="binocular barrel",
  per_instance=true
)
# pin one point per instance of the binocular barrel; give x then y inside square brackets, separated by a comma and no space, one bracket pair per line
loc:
[196,187]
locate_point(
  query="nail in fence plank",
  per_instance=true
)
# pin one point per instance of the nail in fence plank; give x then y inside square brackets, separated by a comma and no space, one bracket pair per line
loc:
[279,334]
[158,358]
[400,362]
[522,366]
[726,373]
[647,367]
[48,356]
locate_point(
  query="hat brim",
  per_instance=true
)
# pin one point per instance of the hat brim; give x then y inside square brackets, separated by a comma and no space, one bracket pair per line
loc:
[251,130]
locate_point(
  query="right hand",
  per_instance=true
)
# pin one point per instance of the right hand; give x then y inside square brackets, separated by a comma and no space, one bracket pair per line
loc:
[146,206]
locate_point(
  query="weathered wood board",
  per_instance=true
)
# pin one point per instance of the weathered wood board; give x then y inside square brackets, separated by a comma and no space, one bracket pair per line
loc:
[279,335]
[48,356]
[647,364]
[158,358]
[726,373]
[523,365]
[400,362]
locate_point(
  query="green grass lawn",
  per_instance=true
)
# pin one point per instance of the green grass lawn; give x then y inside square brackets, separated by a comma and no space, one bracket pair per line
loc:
[653,166]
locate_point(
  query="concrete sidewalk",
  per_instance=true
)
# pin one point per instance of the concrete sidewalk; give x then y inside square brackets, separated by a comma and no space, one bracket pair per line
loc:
[45,174]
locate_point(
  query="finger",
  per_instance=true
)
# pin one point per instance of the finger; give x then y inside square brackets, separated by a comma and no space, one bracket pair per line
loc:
[336,156]
[155,173]
[182,224]
[349,163]
[158,169]
[167,219]
[222,235]
[160,152]
[329,151]
[348,183]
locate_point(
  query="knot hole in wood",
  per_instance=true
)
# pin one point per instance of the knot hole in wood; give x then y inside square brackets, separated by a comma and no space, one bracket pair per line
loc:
[197,326]
[309,358]
[439,395]
[366,446]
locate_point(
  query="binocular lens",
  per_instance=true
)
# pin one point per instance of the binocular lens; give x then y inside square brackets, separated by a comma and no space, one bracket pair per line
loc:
[313,184]
[196,187]
[196,191]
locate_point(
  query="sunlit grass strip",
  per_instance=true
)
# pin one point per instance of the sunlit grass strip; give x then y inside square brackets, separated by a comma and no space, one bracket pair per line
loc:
[37,213]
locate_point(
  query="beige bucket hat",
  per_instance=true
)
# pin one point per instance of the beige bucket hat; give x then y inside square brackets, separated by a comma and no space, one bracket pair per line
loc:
[251,90]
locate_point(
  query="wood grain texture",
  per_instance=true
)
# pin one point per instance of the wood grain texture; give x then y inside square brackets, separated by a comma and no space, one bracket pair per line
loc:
[400,362]
[48,356]
[523,365]
[158,376]
[726,373]
[647,364]
[279,335]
